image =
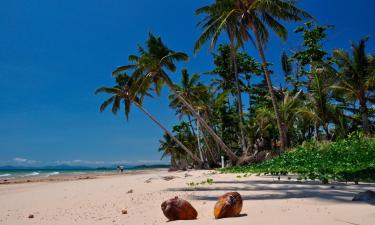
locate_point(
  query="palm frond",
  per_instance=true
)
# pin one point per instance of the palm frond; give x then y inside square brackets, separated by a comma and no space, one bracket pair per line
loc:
[122,69]
[106,103]
[116,104]
[107,90]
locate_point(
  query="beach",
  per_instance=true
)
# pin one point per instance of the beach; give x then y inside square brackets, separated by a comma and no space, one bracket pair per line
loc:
[32,176]
[102,199]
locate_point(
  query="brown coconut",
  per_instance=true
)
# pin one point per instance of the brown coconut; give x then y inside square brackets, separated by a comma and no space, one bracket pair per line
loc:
[228,205]
[178,209]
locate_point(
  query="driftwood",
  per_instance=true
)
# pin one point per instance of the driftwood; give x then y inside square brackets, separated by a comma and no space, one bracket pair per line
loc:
[255,158]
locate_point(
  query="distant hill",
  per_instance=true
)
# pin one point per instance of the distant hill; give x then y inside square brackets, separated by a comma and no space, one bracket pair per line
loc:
[156,166]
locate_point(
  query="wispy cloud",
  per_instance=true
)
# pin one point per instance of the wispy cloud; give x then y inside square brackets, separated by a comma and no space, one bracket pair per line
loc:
[23,160]
[80,162]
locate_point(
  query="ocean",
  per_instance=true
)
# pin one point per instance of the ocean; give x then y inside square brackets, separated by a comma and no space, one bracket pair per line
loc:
[29,173]
[32,173]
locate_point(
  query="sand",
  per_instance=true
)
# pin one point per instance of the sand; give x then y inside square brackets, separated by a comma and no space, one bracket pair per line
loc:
[100,201]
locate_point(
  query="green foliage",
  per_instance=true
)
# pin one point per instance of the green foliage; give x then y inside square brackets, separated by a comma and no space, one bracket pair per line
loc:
[209,181]
[356,79]
[350,159]
[310,57]
[313,35]
[246,66]
[331,93]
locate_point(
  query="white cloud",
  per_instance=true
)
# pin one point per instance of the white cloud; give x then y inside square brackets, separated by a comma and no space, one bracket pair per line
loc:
[80,162]
[20,159]
[23,160]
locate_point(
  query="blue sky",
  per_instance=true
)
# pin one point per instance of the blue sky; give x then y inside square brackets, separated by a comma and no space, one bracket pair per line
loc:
[54,54]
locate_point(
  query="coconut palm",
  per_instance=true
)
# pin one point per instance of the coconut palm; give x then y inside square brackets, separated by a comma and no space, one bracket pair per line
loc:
[190,90]
[256,16]
[168,147]
[222,17]
[290,105]
[124,92]
[263,120]
[357,77]
[153,63]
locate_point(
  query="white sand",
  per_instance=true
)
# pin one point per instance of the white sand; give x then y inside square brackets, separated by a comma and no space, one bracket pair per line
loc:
[100,201]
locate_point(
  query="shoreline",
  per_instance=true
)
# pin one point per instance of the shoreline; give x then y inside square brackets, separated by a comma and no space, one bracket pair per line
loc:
[73,177]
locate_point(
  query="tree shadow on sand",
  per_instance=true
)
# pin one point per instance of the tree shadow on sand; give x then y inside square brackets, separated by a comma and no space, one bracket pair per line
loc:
[339,192]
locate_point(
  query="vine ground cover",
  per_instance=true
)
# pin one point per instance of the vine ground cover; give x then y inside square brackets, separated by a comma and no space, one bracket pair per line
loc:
[350,159]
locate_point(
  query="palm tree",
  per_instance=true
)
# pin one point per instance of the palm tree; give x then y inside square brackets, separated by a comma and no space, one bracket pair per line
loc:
[125,92]
[318,107]
[190,90]
[257,16]
[221,17]
[289,108]
[168,147]
[152,64]
[357,77]
[263,120]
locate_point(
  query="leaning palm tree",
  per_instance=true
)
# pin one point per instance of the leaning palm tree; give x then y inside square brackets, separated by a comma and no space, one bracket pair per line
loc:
[223,17]
[357,77]
[153,63]
[169,148]
[191,90]
[125,92]
[256,16]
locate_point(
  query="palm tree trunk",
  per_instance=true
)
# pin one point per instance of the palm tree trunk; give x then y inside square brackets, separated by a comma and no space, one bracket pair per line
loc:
[364,114]
[316,131]
[231,155]
[279,120]
[250,136]
[195,134]
[239,97]
[190,153]
[173,162]
[249,93]
[191,124]
[199,141]
[213,158]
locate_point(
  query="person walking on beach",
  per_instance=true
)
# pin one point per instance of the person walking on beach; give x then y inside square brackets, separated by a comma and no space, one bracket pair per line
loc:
[122,169]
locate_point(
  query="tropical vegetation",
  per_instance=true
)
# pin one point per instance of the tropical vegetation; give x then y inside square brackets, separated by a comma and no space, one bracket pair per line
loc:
[235,110]
[350,159]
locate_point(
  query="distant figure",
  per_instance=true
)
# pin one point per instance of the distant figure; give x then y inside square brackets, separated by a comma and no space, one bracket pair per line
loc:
[122,169]
[118,169]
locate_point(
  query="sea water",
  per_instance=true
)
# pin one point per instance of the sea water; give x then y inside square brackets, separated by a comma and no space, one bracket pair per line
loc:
[31,173]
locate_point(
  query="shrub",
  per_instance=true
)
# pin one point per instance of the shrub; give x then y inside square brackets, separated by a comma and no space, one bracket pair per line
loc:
[350,159]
